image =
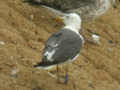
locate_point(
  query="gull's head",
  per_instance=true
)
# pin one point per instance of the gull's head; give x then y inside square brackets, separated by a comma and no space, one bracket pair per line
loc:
[71,20]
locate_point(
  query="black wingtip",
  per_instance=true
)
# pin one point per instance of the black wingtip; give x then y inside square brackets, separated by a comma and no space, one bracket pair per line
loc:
[35,66]
[41,64]
[33,2]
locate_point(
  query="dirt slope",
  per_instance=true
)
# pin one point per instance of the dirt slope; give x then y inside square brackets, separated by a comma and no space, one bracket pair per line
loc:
[23,32]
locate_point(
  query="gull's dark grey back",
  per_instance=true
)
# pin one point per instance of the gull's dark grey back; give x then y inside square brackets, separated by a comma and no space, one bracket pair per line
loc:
[69,44]
[65,5]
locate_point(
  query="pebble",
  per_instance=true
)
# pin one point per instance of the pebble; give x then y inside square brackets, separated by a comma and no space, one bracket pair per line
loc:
[11,57]
[14,72]
[31,16]
[110,49]
[110,41]
[96,38]
[2,43]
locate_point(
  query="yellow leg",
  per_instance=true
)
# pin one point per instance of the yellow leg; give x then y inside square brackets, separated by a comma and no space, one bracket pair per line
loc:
[58,76]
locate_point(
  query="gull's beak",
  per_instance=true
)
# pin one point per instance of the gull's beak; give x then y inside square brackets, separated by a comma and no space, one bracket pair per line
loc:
[60,20]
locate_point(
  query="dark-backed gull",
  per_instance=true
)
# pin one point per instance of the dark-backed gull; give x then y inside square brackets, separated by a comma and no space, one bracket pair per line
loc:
[87,9]
[64,45]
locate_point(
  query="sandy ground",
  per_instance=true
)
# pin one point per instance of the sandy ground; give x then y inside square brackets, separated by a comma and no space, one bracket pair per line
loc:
[23,32]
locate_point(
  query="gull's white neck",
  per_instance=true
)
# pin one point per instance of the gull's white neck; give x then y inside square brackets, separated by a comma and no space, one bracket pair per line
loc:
[73,28]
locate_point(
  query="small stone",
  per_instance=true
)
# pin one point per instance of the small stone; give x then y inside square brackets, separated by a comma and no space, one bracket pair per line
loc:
[110,41]
[11,57]
[96,38]
[2,43]
[14,73]
[110,49]
[31,16]
[42,16]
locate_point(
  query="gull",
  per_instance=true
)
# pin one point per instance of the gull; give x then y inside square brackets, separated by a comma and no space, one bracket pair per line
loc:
[64,46]
[87,9]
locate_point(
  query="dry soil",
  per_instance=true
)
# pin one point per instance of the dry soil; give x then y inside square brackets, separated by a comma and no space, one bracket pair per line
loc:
[25,28]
